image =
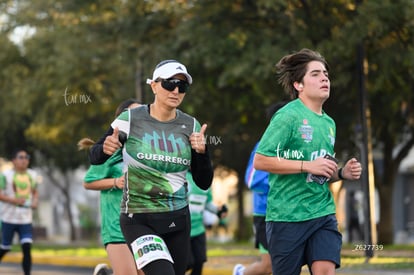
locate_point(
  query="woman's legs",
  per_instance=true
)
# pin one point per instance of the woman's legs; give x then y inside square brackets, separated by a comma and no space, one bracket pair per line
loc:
[158,237]
[133,228]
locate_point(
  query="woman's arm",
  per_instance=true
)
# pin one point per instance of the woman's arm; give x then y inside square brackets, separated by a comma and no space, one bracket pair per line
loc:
[105,184]
[96,153]
[107,146]
[202,169]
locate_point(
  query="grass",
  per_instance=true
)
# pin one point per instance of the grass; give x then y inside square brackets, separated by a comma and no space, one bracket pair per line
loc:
[393,257]
[378,263]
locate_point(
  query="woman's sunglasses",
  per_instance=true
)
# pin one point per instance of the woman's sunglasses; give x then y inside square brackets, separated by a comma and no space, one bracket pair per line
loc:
[171,83]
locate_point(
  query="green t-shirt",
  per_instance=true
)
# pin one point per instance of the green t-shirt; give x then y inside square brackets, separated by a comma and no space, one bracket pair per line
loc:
[199,200]
[157,156]
[110,200]
[297,133]
[2,181]
[18,185]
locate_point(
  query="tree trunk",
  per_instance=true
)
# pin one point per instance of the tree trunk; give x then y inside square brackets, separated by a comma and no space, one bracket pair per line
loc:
[241,232]
[68,200]
[64,187]
[386,225]
[68,209]
[385,183]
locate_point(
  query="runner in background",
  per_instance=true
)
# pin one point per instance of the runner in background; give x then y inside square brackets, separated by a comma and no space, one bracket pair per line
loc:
[200,201]
[18,193]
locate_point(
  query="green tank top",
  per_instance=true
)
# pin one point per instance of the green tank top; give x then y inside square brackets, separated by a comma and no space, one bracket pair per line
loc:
[156,158]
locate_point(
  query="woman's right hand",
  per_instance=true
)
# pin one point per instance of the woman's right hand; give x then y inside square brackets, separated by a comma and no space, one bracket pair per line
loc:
[112,143]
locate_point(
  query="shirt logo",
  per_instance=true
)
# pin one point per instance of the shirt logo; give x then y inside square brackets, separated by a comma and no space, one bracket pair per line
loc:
[164,143]
[306,131]
[331,136]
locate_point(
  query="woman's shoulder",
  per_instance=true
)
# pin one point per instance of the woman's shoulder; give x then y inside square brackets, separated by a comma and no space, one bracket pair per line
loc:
[184,116]
[140,109]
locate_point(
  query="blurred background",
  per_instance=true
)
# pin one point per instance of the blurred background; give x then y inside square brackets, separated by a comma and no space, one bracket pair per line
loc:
[66,65]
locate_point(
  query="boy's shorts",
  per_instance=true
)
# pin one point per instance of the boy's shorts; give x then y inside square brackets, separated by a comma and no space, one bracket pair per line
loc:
[294,244]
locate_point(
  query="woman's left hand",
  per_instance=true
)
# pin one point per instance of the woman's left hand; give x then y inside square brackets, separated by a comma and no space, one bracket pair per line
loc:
[198,141]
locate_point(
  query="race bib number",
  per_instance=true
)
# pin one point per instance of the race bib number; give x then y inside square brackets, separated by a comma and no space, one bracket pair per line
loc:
[149,248]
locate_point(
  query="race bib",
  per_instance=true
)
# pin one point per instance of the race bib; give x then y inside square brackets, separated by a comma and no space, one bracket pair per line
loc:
[197,203]
[149,248]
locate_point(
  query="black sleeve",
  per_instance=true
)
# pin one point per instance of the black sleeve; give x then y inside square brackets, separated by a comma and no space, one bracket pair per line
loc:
[202,169]
[96,153]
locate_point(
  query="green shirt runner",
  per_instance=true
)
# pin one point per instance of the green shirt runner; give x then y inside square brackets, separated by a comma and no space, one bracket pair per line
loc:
[199,201]
[110,199]
[297,133]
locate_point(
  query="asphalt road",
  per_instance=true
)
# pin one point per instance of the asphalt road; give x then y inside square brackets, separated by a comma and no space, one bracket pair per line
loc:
[16,269]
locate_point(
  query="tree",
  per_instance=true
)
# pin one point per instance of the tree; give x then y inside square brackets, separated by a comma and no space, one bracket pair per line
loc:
[69,77]
[390,85]
[15,116]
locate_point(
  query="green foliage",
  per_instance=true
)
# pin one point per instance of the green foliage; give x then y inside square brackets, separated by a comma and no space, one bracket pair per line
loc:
[87,217]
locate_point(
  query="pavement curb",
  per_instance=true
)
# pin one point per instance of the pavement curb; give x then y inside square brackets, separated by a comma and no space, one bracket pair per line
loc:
[78,261]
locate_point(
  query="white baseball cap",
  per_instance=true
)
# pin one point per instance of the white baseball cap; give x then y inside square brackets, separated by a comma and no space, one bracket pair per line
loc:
[167,69]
